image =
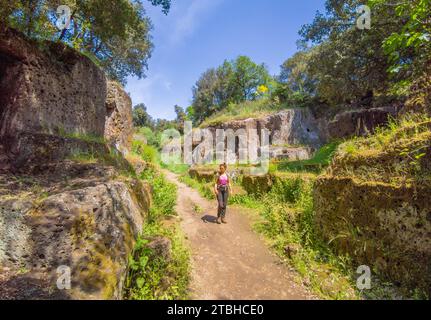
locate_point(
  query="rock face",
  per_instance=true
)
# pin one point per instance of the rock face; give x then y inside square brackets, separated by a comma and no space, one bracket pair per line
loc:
[375,206]
[56,91]
[119,120]
[87,222]
[64,200]
[360,122]
[293,154]
[290,127]
[295,134]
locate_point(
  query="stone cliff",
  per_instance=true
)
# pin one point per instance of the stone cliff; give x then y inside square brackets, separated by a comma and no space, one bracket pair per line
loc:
[53,90]
[68,198]
[373,204]
[296,133]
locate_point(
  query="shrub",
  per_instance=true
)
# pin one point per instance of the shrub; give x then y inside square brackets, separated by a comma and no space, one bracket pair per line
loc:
[148,153]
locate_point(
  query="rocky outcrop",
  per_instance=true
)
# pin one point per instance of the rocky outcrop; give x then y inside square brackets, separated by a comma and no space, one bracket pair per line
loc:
[360,122]
[119,120]
[290,127]
[262,184]
[56,91]
[76,216]
[373,205]
[295,134]
[67,199]
[289,153]
[52,91]
[203,175]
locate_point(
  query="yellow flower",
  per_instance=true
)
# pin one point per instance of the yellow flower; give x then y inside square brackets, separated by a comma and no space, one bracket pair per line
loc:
[262,89]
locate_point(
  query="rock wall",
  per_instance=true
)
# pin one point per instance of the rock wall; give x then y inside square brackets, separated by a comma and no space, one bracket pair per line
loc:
[80,218]
[119,119]
[52,89]
[64,198]
[374,205]
[360,122]
[295,134]
[289,127]
[384,227]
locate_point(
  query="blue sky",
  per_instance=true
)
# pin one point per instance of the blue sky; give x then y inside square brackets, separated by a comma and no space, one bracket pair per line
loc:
[200,34]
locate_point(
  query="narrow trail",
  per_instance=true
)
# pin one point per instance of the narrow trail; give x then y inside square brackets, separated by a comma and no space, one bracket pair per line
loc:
[230,262]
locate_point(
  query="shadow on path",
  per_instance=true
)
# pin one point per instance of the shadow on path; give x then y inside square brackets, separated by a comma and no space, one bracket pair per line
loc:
[209,219]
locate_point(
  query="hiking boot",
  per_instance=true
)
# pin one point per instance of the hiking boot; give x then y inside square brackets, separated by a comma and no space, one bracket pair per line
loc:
[218,220]
[223,220]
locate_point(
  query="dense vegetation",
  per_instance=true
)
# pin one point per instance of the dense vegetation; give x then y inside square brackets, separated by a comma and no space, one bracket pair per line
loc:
[156,275]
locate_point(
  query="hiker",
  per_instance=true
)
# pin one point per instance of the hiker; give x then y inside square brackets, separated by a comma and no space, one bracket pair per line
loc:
[222,188]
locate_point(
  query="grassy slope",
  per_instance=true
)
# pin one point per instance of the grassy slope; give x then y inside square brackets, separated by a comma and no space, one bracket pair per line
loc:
[320,161]
[245,110]
[397,154]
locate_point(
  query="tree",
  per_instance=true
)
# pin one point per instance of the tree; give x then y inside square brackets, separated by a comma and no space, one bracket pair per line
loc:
[295,73]
[204,95]
[114,33]
[349,63]
[190,112]
[163,124]
[409,48]
[181,118]
[234,81]
[141,118]
[247,76]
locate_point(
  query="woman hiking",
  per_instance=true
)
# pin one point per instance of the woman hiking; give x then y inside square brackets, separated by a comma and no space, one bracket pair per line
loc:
[222,188]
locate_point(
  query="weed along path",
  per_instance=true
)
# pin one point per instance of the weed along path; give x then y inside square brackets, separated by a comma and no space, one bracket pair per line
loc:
[230,262]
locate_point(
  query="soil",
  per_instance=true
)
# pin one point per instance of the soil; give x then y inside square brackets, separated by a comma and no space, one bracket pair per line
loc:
[230,261]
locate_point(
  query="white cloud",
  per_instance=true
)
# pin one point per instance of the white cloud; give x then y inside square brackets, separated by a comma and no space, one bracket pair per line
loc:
[189,19]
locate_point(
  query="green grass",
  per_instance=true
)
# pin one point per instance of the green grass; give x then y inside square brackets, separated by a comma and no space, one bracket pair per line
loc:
[285,219]
[397,154]
[205,190]
[150,276]
[91,138]
[112,158]
[320,160]
[403,128]
[245,110]
[175,166]
[146,152]
[153,277]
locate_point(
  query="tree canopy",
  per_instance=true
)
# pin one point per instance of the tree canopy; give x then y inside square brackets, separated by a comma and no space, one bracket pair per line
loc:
[348,63]
[114,33]
[141,118]
[234,81]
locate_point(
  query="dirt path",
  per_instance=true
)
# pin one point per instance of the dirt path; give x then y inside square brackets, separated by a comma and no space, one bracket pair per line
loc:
[230,262]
